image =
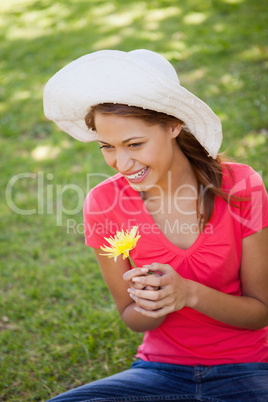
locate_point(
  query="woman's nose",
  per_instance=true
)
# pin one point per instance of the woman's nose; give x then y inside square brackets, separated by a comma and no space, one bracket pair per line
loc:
[123,161]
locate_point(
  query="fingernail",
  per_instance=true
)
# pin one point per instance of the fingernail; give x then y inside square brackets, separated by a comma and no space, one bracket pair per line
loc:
[144,270]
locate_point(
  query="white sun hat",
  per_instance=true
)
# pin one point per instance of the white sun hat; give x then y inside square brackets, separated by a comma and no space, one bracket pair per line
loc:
[138,78]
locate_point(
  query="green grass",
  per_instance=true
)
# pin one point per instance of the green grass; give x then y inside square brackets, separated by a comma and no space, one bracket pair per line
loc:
[58,324]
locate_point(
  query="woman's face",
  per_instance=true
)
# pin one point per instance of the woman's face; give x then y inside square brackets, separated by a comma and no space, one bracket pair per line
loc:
[142,153]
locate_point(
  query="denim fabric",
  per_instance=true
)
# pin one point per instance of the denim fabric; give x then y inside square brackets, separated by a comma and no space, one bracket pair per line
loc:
[149,381]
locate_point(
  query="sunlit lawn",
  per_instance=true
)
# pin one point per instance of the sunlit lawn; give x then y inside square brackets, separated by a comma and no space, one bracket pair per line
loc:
[59,327]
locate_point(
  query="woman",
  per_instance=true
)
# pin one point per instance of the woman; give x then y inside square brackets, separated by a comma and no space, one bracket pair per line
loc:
[199,291]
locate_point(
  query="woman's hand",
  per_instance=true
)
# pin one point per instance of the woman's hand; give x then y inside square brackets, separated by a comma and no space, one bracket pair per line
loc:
[136,272]
[112,273]
[157,294]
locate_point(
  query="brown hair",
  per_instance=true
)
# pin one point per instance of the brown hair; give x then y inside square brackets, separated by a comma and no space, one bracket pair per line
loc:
[208,171]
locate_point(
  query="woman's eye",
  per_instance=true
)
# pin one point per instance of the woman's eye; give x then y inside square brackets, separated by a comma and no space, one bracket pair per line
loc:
[106,146]
[135,144]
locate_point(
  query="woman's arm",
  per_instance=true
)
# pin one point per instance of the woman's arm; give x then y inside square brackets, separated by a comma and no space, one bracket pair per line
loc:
[112,273]
[247,311]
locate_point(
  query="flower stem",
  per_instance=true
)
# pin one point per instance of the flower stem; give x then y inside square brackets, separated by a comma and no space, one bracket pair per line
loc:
[131,262]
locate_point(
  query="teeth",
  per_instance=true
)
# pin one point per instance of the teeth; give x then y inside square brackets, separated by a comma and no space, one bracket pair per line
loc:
[137,175]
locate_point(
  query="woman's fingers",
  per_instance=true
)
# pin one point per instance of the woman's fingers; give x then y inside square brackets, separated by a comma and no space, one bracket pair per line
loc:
[151,294]
[140,286]
[153,300]
[135,272]
[159,291]
[153,303]
[137,286]
[151,280]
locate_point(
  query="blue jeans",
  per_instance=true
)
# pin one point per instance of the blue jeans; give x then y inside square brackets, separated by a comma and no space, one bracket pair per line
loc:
[149,381]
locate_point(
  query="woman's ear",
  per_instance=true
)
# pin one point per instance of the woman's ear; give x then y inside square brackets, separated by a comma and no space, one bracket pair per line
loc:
[175,130]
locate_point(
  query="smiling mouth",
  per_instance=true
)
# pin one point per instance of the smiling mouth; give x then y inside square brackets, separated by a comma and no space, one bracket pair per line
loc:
[137,175]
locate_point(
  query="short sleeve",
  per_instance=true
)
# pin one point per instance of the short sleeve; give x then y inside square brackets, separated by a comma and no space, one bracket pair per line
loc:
[252,212]
[108,208]
[95,223]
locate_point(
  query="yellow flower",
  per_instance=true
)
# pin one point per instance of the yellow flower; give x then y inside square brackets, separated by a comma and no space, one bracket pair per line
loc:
[122,243]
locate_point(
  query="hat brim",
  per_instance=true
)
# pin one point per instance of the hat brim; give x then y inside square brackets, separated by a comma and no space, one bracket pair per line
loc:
[118,77]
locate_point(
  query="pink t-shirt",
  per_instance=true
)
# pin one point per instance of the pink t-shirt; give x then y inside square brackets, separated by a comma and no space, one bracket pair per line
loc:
[187,336]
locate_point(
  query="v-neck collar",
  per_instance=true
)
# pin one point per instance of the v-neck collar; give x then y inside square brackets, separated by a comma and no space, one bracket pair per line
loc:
[145,214]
